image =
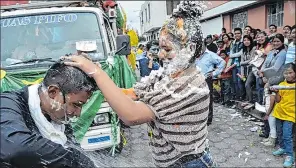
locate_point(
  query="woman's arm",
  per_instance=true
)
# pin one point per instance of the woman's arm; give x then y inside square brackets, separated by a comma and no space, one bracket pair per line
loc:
[129,111]
[280,61]
[277,97]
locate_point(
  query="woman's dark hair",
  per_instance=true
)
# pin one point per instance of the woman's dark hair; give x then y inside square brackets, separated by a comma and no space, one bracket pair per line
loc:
[245,48]
[282,39]
[69,79]
[249,27]
[258,30]
[226,36]
[265,42]
[288,27]
[231,34]
[223,30]
[254,31]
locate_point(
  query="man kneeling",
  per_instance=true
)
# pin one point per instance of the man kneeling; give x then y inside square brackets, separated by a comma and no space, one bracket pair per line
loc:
[33,120]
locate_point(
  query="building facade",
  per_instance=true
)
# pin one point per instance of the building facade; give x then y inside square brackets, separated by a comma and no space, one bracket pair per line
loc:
[152,16]
[258,14]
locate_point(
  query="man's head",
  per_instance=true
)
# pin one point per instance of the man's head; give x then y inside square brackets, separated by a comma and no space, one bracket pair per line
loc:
[272,29]
[223,54]
[247,30]
[64,91]
[237,33]
[293,34]
[209,39]
[153,47]
[287,31]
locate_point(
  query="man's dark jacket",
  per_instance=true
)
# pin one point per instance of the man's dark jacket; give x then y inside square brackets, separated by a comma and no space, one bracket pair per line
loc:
[22,145]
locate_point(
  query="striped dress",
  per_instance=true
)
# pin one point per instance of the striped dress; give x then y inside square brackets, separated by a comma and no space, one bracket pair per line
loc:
[181,109]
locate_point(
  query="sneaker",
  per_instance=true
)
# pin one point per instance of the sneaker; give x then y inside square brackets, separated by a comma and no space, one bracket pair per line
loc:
[289,161]
[265,140]
[270,142]
[278,152]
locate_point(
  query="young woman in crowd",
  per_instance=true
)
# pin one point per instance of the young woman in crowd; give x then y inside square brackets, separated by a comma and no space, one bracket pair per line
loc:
[262,49]
[227,43]
[284,112]
[246,70]
[253,34]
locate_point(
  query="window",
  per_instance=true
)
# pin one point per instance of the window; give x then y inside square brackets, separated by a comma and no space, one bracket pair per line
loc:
[149,13]
[171,5]
[275,13]
[142,18]
[146,18]
[240,20]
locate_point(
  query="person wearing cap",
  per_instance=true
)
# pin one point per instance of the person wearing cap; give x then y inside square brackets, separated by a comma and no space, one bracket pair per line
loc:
[211,46]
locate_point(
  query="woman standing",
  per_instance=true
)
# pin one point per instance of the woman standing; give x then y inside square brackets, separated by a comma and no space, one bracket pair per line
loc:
[227,43]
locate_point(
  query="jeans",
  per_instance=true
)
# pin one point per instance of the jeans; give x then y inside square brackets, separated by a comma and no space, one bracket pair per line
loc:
[210,85]
[226,90]
[238,87]
[260,90]
[285,135]
[204,161]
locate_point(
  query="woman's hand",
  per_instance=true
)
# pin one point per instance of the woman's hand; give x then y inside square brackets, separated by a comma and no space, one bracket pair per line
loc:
[83,63]
[266,117]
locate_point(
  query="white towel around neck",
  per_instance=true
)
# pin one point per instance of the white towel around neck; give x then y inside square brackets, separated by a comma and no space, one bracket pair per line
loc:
[50,130]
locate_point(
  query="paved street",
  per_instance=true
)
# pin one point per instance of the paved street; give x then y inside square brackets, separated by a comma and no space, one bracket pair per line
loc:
[232,145]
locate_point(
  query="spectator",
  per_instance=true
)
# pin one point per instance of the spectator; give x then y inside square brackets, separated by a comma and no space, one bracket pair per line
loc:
[206,62]
[258,31]
[234,63]
[286,32]
[231,36]
[284,112]
[253,34]
[140,49]
[223,31]
[210,45]
[247,56]
[225,81]
[227,43]
[146,59]
[290,56]
[247,30]
[272,31]
[220,45]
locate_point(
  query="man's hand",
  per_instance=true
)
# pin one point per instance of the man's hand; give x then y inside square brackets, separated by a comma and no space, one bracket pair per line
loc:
[266,117]
[273,89]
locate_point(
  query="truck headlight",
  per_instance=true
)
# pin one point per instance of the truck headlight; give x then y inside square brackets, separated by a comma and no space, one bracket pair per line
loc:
[101,118]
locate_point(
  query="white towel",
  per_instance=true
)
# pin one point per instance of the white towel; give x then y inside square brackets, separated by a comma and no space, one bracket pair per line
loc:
[49,130]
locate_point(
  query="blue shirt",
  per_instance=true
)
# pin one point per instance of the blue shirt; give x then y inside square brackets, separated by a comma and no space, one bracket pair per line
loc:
[274,62]
[207,61]
[290,56]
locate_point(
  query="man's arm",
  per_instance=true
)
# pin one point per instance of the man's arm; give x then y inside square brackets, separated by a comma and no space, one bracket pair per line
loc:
[236,55]
[220,64]
[23,148]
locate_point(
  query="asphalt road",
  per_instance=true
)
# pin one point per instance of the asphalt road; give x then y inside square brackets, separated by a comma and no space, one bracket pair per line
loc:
[232,144]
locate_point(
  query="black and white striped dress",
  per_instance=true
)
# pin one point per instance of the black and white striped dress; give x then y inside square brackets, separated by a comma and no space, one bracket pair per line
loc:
[181,109]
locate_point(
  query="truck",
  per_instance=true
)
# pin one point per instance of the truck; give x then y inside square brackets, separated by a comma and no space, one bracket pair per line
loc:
[36,34]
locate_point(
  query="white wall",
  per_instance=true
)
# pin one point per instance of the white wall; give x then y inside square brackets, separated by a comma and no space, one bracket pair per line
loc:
[212,26]
[157,13]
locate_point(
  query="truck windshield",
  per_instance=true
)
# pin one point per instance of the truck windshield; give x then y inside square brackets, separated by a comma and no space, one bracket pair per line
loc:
[52,35]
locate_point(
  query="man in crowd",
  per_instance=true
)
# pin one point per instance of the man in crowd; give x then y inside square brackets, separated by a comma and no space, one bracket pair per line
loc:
[234,64]
[207,62]
[33,120]
[272,31]
[210,44]
[146,59]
